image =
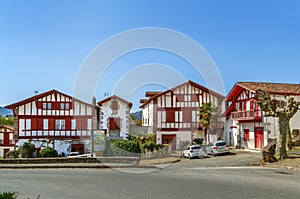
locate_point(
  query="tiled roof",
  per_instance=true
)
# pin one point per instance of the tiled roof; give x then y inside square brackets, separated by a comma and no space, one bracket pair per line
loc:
[114,97]
[151,96]
[280,88]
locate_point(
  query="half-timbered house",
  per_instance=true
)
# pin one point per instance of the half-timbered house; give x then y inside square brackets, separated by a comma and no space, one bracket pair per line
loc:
[173,114]
[115,116]
[6,139]
[246,125]
[55,119]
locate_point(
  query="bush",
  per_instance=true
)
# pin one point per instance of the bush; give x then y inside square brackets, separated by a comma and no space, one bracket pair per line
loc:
[12,154]
[198,140]
[27,150]
[8,195]
[48,152]
[124,147]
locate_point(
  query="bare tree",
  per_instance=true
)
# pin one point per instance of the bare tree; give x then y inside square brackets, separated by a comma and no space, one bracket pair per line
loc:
[284,111]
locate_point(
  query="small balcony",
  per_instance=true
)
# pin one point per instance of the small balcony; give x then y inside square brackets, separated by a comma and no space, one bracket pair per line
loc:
[247,115]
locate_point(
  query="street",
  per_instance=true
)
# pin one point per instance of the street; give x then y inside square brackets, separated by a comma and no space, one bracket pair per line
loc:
[197,178]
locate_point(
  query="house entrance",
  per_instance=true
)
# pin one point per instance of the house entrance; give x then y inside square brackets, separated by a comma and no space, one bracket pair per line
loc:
[259,137]
[77,148]
[169,139]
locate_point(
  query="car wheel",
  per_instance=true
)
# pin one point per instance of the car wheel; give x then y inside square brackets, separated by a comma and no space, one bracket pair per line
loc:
[213,154]
[190,156]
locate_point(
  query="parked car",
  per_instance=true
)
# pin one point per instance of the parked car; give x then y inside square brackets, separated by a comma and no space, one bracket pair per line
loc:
[216,148]
[73,154]
[193,151]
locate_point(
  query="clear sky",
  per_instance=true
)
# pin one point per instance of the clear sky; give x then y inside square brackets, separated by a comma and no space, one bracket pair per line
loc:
[44,43]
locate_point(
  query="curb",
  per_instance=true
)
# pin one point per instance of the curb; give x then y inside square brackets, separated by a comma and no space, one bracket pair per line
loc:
[102,166]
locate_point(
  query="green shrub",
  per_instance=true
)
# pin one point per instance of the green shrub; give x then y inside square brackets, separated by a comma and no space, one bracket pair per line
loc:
[48,152]
[198,140]
[124,147]
[8,195]
[12,154]
[27,150]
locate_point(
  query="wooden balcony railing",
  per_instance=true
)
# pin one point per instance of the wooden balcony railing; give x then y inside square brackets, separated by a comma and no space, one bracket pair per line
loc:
[247,115]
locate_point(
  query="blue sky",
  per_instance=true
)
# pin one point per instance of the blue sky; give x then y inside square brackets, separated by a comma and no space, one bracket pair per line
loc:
[44,43]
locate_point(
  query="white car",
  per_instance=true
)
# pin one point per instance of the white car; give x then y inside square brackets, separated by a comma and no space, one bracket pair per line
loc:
[216,148]
[193,151]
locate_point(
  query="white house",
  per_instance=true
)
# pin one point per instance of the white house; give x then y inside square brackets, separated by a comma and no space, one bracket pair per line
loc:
[173,114]
[115,116]
[55,119]
[246,125]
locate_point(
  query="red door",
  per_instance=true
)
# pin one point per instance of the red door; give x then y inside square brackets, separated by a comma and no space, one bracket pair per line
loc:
[169,139]
[259,137]
[6,139]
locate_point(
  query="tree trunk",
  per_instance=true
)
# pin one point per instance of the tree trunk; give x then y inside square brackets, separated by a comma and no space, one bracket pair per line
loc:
[281,141]
[289,138]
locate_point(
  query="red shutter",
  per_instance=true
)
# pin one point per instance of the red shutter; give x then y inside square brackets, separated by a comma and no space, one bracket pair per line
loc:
[187,116]
[111,124]
[40,124]
[51,124]
[117,123]
[78,124]
[170,114]
[83,123]
[33,123]
[68,124]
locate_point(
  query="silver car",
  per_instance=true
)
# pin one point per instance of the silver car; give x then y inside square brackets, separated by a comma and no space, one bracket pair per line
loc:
[216,148]
[193,151]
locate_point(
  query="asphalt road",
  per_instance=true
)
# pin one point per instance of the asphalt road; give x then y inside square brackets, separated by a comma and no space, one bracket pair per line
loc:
[187,179]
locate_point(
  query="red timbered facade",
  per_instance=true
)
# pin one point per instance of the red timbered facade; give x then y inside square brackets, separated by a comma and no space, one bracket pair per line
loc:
[6,139]
[173,114]
[246,126]
[54,117]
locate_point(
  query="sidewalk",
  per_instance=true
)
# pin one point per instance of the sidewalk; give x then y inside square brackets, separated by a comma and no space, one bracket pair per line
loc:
[151,163]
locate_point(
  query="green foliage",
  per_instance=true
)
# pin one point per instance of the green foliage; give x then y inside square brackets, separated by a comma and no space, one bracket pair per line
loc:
[6,121]
[198,140]
[27,150]
[124,147]
[48,152]
[8,195]
[206,114]
[13,154]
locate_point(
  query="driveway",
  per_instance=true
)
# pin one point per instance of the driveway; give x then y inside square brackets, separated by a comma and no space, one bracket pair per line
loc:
[239,159]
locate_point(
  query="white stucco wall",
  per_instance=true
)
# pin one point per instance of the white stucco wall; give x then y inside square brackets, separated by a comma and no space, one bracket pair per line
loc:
[123,113]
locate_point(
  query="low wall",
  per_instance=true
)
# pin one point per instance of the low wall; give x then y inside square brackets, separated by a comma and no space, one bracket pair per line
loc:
[49,160]
[123,160]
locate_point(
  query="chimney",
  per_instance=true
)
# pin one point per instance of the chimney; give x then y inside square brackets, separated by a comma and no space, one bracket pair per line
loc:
[94,101]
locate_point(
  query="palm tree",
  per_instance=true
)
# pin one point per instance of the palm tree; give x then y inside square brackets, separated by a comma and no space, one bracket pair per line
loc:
[205,117]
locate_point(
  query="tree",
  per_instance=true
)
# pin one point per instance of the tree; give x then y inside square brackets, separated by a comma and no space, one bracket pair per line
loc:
[48,152]
[283,111]
[206,113]
[26,150]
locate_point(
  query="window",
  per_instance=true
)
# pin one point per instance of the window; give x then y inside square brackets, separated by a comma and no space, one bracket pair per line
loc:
[49,105]
[246,134]
[45,124]
[67,106]
[62,106]
[44,105]
[60,124]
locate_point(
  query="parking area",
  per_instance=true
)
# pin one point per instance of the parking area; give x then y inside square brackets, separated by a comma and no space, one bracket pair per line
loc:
[226,160]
